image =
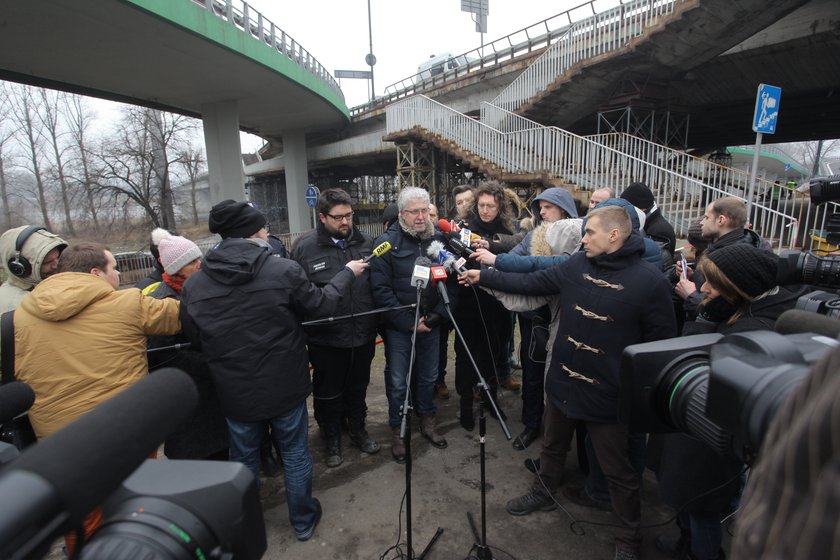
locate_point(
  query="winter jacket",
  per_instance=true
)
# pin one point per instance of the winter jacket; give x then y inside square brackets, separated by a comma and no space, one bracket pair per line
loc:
[79,342]
[205,432]
[556,196]
[244,310]
[390,277]
[748,236]
[606,304]
[658,229]
[35,250]
[321,259]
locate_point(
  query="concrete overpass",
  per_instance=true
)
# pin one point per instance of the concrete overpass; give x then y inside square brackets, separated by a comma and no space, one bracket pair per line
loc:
[218,61]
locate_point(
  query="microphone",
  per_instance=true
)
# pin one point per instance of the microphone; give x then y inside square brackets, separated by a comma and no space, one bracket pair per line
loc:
[456,265]
[449,227]
[54,484]
[456,231]
[15,399]
[460,247]
[420,276]
[438,274]
[795,321]
[437,251]
[378,251]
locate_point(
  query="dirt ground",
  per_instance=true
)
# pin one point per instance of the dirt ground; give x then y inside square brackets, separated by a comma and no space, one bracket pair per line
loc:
[364,514]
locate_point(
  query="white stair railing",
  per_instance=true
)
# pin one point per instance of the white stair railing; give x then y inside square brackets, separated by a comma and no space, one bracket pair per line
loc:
[604,32]
[527,148]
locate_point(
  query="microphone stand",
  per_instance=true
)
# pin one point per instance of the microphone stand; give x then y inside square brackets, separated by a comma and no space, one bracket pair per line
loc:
[482,549]
[326,320]
[405,434]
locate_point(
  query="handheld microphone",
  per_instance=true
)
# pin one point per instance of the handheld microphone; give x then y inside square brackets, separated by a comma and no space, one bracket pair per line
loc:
[456,265]
[420,276]
[795,321]
[448,227]
[454,229]
[378,251]
[438,252]
[460,247]
[15,399]
[54,484]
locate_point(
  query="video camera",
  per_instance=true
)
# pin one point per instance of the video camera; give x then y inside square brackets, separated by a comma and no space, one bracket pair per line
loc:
[724,390]
[797,267]
[164,509]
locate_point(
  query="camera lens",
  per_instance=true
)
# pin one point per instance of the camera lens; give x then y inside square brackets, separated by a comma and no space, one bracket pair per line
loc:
[821,271]
[151,528]
[683,394]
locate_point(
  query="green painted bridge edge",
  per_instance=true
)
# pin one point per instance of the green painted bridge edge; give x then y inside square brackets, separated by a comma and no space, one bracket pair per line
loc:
[203,22]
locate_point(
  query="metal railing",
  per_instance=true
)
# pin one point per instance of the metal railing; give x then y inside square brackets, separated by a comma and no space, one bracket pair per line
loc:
[525,147]
[247,19]
[519,43]
[604,32]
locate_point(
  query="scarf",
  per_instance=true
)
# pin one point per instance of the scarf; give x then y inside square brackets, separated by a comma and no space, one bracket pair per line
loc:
[175,282]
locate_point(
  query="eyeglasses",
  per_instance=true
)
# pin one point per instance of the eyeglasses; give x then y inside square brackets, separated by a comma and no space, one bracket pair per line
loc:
[342,217]
[418,211]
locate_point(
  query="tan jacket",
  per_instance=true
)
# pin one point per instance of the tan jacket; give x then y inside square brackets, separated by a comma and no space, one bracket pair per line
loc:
[79,342]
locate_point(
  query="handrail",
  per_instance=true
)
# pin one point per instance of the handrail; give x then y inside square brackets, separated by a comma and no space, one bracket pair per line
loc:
[602,33]
[528,148]
[502,50]
[245,18]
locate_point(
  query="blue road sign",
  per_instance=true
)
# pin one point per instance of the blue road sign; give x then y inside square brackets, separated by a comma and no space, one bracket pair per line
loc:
[766,115]
[312,193]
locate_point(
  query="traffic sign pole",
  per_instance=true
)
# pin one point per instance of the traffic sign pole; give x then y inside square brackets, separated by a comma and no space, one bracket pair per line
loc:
[753,174]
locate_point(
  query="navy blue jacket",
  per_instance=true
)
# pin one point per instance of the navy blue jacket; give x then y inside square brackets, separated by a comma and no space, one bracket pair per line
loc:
[606,304]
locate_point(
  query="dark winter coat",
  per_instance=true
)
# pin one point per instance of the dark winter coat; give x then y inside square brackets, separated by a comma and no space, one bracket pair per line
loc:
[390,278]
[244,309]
[321,259]
[658,229]
[205,432]
[606,304]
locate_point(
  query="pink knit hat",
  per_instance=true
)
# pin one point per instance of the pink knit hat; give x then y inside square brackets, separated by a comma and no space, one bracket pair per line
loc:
[176,252]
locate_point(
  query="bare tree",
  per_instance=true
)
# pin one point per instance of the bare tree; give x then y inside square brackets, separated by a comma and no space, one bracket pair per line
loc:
[6,134]
[191,160]
[52,104]
[24,109]
[168,132]
[79,119]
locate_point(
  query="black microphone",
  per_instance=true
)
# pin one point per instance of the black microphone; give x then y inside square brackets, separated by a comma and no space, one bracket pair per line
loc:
[459,247]
[15,399]
[420,276]
[795,321]
[54,484]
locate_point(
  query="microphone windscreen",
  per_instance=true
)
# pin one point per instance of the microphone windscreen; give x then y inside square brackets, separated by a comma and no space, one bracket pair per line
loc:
[15,399]
[444,226]
[435,247]
[89,458]
[795,321]
[423,261]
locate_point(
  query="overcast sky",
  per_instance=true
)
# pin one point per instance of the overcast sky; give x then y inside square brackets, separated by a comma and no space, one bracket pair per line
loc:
[405,33]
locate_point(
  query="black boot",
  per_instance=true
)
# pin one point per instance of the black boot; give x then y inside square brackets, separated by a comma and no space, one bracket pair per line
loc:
[333,447]
[360,437]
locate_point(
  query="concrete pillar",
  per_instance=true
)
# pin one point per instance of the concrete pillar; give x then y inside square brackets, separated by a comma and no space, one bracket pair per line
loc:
[224,152]
[297,177]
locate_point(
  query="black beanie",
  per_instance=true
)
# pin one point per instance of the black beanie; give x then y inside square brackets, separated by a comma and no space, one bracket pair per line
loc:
[235,219]
[752,269]
[639,195]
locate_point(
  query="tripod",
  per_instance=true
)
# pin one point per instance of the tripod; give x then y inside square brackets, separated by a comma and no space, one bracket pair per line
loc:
[405,434]
[482,550]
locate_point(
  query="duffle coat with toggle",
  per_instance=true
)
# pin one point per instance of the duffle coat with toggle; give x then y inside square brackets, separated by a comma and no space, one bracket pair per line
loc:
[606,304]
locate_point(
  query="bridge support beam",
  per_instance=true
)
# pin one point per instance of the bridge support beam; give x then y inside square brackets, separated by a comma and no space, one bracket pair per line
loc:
[297,177]
[416,167]
[224,152]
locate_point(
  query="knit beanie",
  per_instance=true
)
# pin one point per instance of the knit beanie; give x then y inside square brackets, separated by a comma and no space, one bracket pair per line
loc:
[176,252]
[751,269]
[235,219]
[639,195]
[157,235]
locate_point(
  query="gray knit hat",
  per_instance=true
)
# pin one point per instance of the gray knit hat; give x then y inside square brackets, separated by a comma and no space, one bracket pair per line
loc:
[176,252]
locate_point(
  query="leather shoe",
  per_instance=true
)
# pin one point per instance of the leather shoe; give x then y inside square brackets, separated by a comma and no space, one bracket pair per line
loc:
[510,383]
[428,430]
[533,465]
[526,438]
[333,451]
[442,391]
[579,496]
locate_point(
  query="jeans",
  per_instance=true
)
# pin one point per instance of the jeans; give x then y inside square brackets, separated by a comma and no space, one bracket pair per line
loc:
[291,436]
[425,371]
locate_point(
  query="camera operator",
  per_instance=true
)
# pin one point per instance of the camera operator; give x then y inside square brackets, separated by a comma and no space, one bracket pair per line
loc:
[741,294]
[723,225]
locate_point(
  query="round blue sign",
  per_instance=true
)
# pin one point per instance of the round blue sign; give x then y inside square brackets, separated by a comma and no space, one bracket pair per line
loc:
[312,193]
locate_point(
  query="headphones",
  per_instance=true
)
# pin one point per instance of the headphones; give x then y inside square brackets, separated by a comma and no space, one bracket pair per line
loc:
[18,265]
